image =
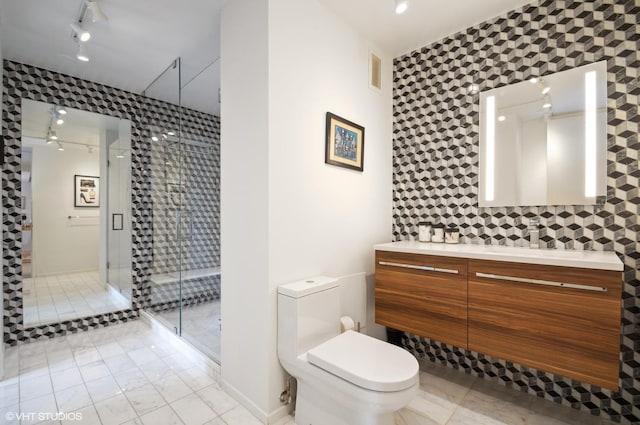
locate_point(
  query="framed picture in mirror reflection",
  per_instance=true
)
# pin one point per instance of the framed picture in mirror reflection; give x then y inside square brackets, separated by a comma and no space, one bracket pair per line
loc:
[86,191]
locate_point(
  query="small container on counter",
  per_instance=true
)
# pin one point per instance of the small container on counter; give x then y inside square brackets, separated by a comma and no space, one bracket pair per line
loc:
[438,233]
[451,235]
[424,231]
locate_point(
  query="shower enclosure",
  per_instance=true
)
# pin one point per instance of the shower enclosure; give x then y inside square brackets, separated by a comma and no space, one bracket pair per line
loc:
[184,135]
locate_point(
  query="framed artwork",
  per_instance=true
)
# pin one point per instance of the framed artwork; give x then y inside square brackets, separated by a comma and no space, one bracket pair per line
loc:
[344,143]
[86,191]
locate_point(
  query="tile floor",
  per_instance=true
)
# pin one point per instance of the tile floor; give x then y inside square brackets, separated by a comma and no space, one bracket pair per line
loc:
[62,297]
[200,326]
[126,374]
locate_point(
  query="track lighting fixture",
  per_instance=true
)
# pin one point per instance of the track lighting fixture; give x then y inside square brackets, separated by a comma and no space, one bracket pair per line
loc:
[401,6]
[546,102]
[546,89]
[55,116]
[49,141]
[60,147]
[120,155]
[82,54]
[96,12]
[154,138]
[59,120]
[53,135]
[61,110]
[82,34]
[171,133]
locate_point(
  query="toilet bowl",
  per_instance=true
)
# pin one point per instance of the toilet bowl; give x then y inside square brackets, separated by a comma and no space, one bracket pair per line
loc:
[343,378]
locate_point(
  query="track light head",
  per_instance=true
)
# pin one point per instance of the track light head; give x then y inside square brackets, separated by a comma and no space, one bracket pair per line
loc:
[61,110]
[53,135]
[96,12]
[82,54]
[60,147]
[82,34]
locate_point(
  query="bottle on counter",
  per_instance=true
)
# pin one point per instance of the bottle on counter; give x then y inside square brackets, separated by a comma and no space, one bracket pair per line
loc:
[452,235]
[424,231]
[438,233]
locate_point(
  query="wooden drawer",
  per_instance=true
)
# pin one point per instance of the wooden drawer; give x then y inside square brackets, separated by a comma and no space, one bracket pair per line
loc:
[424,295]
[571,331]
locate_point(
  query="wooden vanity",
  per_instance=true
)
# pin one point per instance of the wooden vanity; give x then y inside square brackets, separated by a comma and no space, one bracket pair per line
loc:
[557,311]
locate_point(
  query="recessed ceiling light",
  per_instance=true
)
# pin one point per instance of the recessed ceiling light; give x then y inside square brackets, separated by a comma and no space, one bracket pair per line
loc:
[401,6]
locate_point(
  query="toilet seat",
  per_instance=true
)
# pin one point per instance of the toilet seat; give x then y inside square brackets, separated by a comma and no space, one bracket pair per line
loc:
[366,362]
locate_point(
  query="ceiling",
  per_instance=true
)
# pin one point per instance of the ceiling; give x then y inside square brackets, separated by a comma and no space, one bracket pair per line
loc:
[138,42]
[142,37]
[424,22]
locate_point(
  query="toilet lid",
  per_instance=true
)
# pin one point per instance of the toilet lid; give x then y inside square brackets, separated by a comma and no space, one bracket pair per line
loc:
[366,362]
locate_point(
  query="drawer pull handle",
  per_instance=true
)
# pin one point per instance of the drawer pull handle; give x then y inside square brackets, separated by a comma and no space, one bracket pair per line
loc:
[424,268]
[543,282]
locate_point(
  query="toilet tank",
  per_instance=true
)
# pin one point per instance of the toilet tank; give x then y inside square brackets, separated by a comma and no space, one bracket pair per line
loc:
[308,314]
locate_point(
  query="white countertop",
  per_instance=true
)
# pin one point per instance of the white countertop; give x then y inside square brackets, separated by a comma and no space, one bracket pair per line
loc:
[601,260]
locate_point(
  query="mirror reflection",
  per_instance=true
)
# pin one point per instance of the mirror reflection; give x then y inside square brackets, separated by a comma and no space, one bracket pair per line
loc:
[544,141]
[76,213]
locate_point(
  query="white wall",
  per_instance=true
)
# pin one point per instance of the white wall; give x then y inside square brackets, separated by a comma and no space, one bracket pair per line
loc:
[285,214]
[244,203]
[61,245]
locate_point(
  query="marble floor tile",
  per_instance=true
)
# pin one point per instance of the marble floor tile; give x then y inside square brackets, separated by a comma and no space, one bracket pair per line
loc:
[103,388]
[35,386]
[95,370]
[85,416]
[115,410]
[66,378]
[409,417]
[240,416]
[163,416]
[145,399]
[196,378]
[173,388]
[193,410]
[73,398]
[131,379]
[217,399]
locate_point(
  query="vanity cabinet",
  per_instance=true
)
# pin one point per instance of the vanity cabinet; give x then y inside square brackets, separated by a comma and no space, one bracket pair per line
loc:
[422,294]
[563,319]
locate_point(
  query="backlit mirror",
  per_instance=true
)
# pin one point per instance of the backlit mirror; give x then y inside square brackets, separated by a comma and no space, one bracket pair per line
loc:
[76,213]
[544,141]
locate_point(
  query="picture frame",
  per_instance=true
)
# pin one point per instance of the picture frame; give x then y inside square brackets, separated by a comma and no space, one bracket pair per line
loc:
[86,191]
[344,143]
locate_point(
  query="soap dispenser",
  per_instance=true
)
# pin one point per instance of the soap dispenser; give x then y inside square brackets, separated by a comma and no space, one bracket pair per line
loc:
[534,233]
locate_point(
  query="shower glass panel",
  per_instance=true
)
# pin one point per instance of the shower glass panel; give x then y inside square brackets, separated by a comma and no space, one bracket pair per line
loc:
[162,120]
[183,131]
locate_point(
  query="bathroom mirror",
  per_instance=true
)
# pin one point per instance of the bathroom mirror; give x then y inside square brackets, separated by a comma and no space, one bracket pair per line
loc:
[76,213]
[544,141]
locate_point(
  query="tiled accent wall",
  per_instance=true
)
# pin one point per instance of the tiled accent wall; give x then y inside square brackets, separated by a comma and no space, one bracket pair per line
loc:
[29,82]
[197,171]
[436,145]
[194,291]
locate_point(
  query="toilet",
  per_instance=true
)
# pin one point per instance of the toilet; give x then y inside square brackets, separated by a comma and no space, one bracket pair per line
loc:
[342,378]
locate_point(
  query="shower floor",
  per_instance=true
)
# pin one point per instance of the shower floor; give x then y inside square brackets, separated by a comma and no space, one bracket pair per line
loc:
[200,326]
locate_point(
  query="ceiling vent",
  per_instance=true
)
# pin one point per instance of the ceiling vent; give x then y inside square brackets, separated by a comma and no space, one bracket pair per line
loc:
[375,71]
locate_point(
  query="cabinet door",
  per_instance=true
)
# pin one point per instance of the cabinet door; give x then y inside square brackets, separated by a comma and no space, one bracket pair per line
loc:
[422,294]
[518,312]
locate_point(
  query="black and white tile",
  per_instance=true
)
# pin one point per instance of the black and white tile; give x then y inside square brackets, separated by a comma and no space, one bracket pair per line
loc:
[435,161]
[23,81]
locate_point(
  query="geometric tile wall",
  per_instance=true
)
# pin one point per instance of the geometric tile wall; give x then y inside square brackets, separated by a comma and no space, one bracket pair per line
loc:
[194,291]
[30,82]
[435,160]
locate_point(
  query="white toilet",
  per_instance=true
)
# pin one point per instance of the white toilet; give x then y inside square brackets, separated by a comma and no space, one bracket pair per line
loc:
[343,379]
